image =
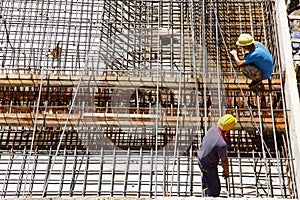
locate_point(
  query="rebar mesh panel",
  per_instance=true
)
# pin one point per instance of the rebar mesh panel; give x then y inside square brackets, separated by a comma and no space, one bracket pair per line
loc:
[112,98]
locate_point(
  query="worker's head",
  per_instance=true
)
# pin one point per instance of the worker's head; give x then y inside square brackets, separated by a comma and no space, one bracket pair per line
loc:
[227,122]
[245,40]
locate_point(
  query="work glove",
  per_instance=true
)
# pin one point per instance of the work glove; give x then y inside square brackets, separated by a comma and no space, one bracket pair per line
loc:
[233,52]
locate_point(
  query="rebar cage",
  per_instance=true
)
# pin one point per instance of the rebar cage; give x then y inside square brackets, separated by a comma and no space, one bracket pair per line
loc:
[112,98]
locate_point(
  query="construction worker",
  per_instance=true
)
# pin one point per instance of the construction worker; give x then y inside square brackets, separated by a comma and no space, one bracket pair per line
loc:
[212,150]
[257,64]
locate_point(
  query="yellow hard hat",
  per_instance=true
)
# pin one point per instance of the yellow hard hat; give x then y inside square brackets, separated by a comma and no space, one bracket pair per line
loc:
[244,40]
[227,122]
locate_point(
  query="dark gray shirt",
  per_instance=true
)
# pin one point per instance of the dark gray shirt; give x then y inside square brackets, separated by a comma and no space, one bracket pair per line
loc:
[213,148]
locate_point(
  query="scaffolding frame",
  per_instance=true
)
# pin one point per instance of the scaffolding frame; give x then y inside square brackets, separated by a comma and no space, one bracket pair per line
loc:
[112,98]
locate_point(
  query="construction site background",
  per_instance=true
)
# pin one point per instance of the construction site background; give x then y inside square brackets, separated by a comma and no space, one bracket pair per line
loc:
[112,98]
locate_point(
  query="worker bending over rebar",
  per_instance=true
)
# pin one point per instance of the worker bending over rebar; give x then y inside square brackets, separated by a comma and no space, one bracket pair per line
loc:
[213,149]
[257,64]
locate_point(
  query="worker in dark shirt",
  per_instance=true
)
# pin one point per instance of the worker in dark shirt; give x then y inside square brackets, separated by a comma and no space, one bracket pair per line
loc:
[213,149]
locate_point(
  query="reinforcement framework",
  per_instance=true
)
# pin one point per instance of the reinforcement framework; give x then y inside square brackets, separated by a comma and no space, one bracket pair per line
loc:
[112,98]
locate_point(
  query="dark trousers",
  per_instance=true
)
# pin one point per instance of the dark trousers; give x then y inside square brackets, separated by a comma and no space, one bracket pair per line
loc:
[211,181]
[252,72]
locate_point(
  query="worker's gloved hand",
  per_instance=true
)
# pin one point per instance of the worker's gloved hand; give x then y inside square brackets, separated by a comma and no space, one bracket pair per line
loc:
[233,52]
[225,174]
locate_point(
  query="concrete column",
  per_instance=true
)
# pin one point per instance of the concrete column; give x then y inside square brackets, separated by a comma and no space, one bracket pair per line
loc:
[291,90]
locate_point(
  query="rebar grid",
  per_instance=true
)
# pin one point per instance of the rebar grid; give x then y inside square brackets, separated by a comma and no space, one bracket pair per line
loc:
[81,175]
[112,98]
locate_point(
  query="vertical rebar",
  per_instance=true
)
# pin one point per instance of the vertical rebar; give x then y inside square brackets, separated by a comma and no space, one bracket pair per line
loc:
[262,143]
[127,171]
[158,70]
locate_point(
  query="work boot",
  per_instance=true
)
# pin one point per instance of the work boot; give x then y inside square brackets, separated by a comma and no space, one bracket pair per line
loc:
[253,84]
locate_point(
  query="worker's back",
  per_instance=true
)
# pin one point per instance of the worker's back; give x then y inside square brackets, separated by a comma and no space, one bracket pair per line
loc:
[213,147]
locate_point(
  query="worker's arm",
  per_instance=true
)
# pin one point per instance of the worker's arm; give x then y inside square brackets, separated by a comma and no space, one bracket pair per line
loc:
[238,62]
[224,164]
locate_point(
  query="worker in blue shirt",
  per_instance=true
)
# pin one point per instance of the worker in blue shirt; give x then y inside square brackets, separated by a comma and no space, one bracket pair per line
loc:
[257,64]
[212,150]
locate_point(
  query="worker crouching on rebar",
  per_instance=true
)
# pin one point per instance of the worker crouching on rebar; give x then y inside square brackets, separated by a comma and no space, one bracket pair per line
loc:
[257,64]
[213,149]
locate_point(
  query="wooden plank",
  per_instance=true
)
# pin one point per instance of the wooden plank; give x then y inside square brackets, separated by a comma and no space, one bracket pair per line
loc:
[123,120]
[124,81]
[295,40]
[294,17]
